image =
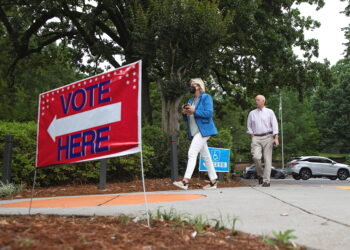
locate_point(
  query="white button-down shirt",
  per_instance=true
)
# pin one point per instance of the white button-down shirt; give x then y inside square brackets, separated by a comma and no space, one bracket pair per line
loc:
[261,121]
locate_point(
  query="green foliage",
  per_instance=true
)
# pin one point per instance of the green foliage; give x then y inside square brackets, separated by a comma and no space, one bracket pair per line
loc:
[281,238]
[10,189]
[155,159]
[159,160]
[34,75]
[218,223]
[300,132]
[233,221]
[347,159]
[24,149]
[199,223]
[124,219]
[171,214]
[332,105]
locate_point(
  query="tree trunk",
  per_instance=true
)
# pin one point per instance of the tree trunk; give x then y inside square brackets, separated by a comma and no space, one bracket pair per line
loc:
[170,115]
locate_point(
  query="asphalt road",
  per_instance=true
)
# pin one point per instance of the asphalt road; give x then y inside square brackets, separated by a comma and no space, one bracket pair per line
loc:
[310,182]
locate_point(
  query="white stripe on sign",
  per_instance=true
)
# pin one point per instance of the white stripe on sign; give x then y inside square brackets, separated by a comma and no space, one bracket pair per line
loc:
[85,120]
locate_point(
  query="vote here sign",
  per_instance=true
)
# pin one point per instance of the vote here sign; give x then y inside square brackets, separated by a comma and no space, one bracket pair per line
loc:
[94,118]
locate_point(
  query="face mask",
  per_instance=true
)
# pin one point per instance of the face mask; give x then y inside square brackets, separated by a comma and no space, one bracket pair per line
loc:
[192,89]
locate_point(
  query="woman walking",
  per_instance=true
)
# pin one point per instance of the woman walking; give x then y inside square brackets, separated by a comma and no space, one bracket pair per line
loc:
[198,113]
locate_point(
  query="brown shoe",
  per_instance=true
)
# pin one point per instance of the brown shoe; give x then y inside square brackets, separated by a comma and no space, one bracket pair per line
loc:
[266,184]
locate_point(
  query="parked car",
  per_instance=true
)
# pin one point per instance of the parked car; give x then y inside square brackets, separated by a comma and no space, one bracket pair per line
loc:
[250,173]
[306,167]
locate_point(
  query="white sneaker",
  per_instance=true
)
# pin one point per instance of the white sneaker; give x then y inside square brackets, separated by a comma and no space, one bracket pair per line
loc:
[211,185]
[181,184]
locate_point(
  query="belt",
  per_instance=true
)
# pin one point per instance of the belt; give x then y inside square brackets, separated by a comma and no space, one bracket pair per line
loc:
[269,133]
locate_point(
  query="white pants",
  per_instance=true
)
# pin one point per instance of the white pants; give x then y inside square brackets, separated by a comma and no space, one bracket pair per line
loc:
[199,145]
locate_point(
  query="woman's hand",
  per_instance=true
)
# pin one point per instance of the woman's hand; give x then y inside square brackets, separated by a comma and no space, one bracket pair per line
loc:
[190,110]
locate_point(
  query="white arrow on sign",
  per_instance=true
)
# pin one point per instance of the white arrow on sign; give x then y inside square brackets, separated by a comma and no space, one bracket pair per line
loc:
[85,120]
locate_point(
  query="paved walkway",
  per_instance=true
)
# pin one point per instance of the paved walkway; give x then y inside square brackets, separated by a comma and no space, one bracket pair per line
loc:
[318,211]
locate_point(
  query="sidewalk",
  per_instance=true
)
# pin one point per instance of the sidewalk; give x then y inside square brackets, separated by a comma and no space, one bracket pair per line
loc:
[319,214]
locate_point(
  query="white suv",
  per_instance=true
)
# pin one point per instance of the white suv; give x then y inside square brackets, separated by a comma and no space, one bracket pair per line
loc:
[306,167]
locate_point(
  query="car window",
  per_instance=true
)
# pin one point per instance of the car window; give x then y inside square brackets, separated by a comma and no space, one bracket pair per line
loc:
[311,159]
[326,161]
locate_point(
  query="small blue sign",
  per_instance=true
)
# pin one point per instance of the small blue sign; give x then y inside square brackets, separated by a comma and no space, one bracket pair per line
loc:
[220,158]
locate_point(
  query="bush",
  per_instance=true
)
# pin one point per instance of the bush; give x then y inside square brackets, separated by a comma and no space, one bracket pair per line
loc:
[121,168]
[23,151]
[156,157]
[10,189]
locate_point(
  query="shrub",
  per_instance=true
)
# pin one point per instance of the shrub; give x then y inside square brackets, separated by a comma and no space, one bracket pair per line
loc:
[10,189]
[156,157]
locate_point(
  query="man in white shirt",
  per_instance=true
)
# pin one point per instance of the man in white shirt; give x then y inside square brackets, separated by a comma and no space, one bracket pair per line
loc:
[263,128]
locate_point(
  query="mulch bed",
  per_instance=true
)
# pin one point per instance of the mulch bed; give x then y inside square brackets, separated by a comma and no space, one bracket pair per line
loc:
[55,232]
[163,184]
[99,232]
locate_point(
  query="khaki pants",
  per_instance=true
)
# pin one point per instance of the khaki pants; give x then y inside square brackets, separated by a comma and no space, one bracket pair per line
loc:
[262,145]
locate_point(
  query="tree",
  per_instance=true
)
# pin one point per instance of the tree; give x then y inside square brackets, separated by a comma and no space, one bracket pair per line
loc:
[332,106]
[254,55]
[258,52]
[52,68]
[180,31]
[30,26]
[98,29]
[300,131]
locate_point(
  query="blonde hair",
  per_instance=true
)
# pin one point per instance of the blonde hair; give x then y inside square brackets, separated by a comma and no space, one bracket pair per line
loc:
[200,82]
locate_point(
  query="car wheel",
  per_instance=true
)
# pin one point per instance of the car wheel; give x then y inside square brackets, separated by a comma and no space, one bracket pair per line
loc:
[296,176]
[343,174]
[333,178]
[305,174]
